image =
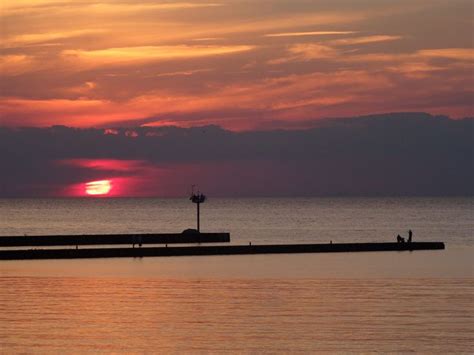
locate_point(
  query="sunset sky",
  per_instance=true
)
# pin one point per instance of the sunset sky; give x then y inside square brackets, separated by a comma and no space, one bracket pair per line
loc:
[118,73]
[239,64]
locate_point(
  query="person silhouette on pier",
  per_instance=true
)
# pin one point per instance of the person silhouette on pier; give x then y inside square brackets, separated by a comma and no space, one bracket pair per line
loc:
[400,239]
[410,234]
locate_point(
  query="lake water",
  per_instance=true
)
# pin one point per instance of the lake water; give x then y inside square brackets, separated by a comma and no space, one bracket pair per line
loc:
[353,302]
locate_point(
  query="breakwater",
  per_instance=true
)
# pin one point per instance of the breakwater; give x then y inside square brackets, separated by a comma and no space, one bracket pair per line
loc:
[214,250]
[113,239]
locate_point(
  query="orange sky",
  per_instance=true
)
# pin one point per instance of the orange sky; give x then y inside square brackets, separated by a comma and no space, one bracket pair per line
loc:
[240,64]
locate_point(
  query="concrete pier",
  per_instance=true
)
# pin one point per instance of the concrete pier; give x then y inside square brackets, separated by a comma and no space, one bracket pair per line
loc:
[113,239]
[214,250]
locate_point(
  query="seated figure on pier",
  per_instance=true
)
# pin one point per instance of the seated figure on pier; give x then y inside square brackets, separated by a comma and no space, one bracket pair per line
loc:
[400,239]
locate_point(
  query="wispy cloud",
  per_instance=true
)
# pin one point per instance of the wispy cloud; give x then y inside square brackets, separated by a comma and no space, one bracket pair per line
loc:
[326,49]
[35,38]
[231,62]
[305,52]
[364,40]
[465,54]
[105,164]
[313,33]
[183,73]
[26,6]
[150,53]
[14,64]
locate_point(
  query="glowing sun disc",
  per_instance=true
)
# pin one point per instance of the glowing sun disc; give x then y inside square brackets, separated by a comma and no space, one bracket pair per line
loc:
[100,187]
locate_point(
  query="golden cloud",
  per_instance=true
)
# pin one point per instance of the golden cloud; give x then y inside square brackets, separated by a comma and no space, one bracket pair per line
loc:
[25,6]
[466,54]
[149,53]
[364,40]
[14,64]
[313,33]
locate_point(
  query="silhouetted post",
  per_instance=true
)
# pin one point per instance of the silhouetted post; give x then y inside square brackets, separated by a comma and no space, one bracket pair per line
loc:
[198,217]
[198,199]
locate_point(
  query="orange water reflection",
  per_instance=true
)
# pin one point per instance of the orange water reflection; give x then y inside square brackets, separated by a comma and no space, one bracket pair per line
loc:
[54,314]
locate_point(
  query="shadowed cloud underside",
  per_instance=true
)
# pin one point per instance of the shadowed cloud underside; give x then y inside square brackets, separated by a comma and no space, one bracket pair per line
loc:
[396,154]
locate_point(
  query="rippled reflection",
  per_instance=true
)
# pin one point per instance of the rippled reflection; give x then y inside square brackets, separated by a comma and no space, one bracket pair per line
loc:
[53,314]
[356,302]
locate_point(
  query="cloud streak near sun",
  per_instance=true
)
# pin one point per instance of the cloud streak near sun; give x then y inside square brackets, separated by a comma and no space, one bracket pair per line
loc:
[238,64]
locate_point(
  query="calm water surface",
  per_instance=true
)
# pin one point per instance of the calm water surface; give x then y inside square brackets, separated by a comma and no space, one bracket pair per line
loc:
[360,302]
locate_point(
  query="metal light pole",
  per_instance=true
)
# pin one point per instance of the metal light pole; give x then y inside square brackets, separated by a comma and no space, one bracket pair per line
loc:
[198,199]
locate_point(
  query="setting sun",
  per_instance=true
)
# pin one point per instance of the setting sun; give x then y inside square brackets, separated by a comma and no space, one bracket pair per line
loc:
[101,187]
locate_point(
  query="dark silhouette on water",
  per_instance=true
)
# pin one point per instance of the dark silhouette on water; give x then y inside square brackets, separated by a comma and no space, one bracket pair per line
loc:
[215,250]
[197,199]
[400,239]
[189,236]
[190,231]
[113,239]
